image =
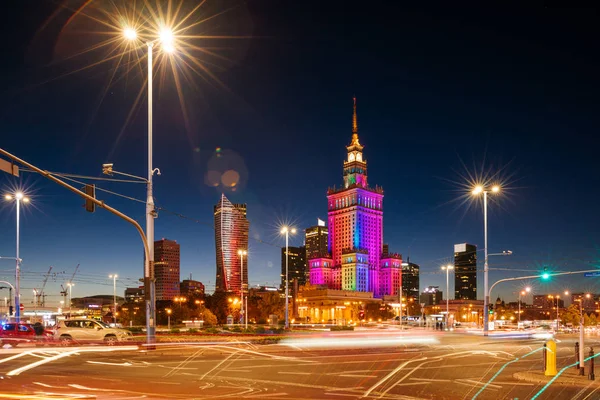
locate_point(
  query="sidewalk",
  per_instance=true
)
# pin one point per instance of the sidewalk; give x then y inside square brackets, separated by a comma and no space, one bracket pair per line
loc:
[570,377]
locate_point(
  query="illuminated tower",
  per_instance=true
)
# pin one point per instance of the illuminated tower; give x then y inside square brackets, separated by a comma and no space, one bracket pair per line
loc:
[355,219]
[231,235]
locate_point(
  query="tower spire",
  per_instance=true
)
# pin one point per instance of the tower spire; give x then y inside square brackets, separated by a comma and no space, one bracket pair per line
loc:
[354,124]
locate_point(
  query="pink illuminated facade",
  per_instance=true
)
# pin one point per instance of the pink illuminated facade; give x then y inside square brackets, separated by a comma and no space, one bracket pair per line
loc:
[355,219]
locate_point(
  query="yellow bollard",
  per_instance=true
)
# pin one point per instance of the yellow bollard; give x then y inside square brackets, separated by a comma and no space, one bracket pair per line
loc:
[550,369]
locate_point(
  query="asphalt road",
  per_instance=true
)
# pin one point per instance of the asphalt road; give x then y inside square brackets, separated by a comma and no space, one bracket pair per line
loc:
[385,364]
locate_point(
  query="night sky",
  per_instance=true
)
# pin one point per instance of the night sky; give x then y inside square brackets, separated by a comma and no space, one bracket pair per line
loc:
[443,94]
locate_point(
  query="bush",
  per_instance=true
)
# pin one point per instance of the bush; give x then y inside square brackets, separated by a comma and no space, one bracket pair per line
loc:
[262,321]
[135,329]
[236,329]
[212,330]
[341,328]
[192,330]
[260,330]
[175,330]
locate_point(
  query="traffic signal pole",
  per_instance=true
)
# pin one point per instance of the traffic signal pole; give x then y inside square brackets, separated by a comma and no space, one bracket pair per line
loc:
[101,204]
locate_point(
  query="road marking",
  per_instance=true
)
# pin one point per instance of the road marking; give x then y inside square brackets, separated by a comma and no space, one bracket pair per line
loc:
[515,383]
[431,380]
[477,383]
[125,364]
[357,376]
[294,373]
[388,376]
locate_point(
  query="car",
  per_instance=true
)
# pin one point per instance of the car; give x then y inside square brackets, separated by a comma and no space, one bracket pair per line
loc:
[82,330]
[13,333]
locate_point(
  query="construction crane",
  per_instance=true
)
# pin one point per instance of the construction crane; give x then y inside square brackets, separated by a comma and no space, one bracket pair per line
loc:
[41,296]
[73,276]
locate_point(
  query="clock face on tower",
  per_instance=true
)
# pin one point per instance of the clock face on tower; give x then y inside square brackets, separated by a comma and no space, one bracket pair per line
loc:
[359,157]
[351,157]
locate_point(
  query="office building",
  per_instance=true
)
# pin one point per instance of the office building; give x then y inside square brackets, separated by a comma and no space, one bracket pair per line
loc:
[134,295]
[296,267]
[231,235]
[315,240]
[191,288]
[166,269]
[410,280]
[465,271]
[431,296]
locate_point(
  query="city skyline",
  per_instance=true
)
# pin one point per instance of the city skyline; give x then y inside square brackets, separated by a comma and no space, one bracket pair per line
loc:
[428,125]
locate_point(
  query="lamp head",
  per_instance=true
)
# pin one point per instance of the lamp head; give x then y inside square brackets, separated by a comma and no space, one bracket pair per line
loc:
[130,34]
[477,190]
[495,189]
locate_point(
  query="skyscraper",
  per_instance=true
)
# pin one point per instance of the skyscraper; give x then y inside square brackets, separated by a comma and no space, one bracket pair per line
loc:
[410,280]
[231,235]
[166,269]
[296,266]
[465,271]
[355,223]
[315,240]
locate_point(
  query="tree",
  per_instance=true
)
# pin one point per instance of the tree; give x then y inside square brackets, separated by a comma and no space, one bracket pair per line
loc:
[375,311]
[270,303]
[570,315]
[207,316]
[217,304]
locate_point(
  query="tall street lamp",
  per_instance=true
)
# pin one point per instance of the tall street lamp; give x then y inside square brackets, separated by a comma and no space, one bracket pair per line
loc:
[169,311]
[18,197]
[114,278]
[557,297]
[522,293]
[70,285]
[286,231]
[486,300]
[166,38]
[447,268]
[244,310]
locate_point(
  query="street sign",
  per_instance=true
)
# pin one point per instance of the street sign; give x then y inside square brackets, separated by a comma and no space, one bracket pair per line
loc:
[21,307]
[9,167]
[592,274]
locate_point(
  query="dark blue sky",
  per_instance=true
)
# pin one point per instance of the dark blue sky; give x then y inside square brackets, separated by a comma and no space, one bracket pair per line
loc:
[442,93]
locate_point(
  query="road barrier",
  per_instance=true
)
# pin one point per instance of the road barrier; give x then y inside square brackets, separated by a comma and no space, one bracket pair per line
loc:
[550,358]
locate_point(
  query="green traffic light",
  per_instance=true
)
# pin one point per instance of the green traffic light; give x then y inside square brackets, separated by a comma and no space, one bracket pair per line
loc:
[545,276]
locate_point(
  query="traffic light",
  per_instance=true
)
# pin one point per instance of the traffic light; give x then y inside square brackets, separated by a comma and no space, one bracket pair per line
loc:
[11,309]
[545,276]
[90,190]
[361,315]
[490,308]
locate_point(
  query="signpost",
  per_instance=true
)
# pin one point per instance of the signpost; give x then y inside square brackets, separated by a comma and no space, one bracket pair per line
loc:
[592,274]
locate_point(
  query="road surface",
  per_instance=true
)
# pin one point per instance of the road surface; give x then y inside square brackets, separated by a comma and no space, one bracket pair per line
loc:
[385,364]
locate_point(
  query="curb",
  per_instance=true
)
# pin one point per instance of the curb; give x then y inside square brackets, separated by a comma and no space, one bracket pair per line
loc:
[568,378]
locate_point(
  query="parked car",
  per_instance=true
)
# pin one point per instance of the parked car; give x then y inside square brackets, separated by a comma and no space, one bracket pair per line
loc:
[13,333]
[89,331]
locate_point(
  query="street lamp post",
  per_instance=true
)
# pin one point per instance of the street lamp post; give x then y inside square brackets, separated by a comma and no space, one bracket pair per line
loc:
[581,336]
[486,300]
[169,311]
[242,253]
[167,41]
[447,268]
[522,293]
[18,197]
[287,230]
[70,285]
[114,278]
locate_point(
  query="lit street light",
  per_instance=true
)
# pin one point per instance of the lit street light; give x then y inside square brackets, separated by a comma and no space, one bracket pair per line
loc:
[479,189]
[70,285]
[18,197]
[167,40]
[169,311]
[244,310]
[522,293]
[447,268]
[114,278]
[286,231]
